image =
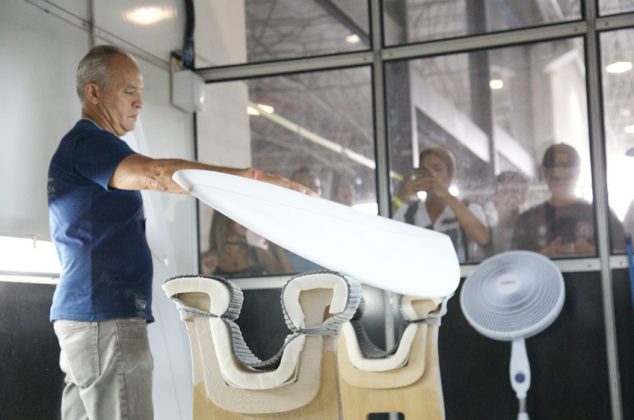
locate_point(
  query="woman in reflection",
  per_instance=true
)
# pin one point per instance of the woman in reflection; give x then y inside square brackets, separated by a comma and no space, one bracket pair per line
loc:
[465,223]
[564,224]
[231,255]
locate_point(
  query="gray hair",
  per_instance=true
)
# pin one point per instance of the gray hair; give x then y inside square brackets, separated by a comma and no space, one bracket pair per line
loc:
[93,68]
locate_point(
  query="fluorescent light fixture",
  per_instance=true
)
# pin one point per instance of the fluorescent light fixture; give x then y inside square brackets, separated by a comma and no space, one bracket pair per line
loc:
[27,255]
[496,84]
[266,108]
[619,66]
[353,38]
[252,111]
[148,15]
[629,129]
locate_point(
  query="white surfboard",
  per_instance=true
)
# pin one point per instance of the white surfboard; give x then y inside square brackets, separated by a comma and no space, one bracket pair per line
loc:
[374,250]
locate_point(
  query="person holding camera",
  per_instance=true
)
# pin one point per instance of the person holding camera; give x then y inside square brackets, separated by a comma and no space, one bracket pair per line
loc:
[563,225]
[436,208]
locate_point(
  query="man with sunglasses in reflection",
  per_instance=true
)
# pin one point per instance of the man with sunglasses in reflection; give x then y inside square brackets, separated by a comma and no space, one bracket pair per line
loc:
[563,225]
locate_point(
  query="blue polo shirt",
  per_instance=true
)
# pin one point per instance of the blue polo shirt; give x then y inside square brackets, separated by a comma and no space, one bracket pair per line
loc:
[99,232]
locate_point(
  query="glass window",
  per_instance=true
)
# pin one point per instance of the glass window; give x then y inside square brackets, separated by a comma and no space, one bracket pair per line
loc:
[608,7]
[262,30]
[315,128]
[491,147]
[618,90]
[425,20]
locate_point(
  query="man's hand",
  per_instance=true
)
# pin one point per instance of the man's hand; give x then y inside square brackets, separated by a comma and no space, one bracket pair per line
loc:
[432,183]
[287,183]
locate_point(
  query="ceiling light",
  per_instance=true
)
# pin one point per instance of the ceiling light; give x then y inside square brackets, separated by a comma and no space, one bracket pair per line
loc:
[496,84]
[629,129]
[148,15]
[353,38]
[252,111]
[266,108]
[619,66]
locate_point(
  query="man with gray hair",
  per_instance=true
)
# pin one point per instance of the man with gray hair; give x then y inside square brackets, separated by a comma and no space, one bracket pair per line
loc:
[102,303]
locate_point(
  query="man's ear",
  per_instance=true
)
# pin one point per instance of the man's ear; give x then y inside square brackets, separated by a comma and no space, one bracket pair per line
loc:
[92,93]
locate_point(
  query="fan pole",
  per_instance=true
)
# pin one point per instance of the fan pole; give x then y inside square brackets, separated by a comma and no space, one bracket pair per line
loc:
[520,373]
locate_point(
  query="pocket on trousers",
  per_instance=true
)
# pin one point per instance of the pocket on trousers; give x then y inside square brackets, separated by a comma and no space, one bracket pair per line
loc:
[79,358]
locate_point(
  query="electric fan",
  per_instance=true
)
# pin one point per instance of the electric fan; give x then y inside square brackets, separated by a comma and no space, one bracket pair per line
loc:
[510,297]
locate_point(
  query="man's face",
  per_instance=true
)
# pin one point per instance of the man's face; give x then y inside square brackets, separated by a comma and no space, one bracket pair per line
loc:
[562,177]
[437,166]
[120,102]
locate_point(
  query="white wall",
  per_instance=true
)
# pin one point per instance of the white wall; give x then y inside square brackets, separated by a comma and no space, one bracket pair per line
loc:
[39,53]
[224,136]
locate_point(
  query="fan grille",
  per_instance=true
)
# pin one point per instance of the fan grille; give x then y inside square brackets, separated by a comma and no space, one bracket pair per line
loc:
[513,294]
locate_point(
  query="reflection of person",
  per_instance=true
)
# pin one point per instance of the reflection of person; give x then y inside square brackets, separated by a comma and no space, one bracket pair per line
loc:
[345,194]
[506,204]
[309,178]
[230,254]
[441,211]
[628,221]
[102,303]
[564,224]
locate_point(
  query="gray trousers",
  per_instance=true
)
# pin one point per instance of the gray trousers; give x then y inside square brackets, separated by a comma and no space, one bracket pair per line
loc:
[108,368]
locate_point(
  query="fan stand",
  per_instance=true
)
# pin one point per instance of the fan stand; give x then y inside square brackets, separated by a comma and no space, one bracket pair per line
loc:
[520,373]
[510,297]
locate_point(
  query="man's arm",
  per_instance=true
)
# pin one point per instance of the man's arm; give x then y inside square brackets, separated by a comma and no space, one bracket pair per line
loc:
[138,172]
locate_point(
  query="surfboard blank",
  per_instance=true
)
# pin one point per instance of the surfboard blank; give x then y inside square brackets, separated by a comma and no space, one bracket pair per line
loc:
[374,250]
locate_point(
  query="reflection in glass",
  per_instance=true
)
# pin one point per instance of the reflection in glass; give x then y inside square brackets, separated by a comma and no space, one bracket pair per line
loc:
[609,7]
[426,20]
[265,30]
[563,225]
[618,91]
[498,133]
[232,254]
[314,128]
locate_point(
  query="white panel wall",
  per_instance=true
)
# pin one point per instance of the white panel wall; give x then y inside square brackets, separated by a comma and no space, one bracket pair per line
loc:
[112,17]
[221,35]
[223,128]
[39,53]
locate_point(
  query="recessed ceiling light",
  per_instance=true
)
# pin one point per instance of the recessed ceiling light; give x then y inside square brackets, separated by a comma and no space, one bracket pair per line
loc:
[148,15]
[619,66]
[353,38]
[496,84]
[629,129]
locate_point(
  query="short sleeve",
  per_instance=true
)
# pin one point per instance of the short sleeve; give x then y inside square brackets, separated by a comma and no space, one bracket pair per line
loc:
[96,157]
